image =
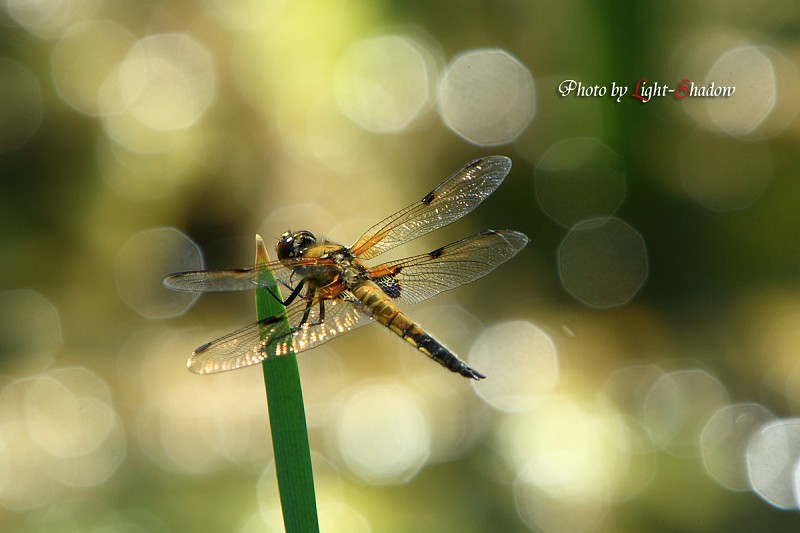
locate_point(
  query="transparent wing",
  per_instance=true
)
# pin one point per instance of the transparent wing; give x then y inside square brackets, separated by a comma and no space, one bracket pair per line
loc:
[455,197]
[412,280]
[244,347]
[237,279]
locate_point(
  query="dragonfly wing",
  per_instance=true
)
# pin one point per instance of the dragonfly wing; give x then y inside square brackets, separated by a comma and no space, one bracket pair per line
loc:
[342,314]
[244,347]
[237,279]
[455,197]
[412,280]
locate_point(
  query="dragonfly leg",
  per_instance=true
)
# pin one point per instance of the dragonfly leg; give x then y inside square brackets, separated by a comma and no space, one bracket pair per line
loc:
[307,312]
[291,298]
[309,305]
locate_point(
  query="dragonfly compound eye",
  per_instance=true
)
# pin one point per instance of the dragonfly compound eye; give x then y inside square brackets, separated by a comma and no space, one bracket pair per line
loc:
[285,246]
[303,240]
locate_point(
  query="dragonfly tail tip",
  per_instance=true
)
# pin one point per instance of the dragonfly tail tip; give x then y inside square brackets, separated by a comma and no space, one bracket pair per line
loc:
[472,373]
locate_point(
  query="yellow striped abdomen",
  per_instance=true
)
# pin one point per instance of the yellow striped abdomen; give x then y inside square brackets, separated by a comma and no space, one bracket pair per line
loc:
[385,312]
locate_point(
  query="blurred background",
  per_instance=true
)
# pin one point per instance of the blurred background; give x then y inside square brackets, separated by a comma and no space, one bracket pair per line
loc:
[642,353]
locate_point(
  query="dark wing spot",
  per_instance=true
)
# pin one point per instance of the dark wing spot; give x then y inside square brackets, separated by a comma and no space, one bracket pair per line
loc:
[389,285]
[202,348]
[436,253]
[428,198]
[473,164]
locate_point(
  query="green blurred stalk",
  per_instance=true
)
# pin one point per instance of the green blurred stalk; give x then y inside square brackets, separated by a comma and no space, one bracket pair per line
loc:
[287,417]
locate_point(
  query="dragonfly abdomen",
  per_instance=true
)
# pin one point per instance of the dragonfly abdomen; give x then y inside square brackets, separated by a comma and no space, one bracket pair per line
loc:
[390,316]
[434,349]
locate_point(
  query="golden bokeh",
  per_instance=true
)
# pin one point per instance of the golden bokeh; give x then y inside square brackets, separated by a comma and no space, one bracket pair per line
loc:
[640,352]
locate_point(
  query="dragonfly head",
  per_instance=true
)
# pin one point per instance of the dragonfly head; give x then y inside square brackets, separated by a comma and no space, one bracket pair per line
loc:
[293,245]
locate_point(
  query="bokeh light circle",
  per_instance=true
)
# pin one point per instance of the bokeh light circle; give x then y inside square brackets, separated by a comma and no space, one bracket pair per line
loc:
[244,15]
[80,68]
[30,325]
[522,362]
[602,262]
[773,454]
[188,424]
[63,424]
[543,512]
[385,83]
[60,430]
[143,261]
[570,451]
[167,81]
[577,179]
[487,97]
[164,84]
[678,406]
[627,387]
[382,434]
[49,18]
[724,440]
[20,104]
[334,514]
[24,481]
[752,73]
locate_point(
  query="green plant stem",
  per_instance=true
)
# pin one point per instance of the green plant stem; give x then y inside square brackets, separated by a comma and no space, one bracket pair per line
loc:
[287,417]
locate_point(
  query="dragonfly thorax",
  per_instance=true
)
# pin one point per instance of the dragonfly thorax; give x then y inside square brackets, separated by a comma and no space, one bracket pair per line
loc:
[293,245]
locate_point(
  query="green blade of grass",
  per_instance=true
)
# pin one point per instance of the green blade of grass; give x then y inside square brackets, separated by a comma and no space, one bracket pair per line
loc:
[287,417]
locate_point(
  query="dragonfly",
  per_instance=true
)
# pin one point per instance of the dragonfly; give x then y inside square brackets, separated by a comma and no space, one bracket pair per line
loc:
[332,290]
